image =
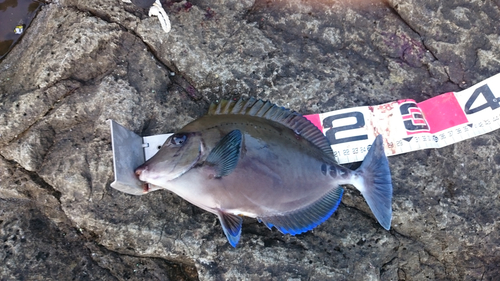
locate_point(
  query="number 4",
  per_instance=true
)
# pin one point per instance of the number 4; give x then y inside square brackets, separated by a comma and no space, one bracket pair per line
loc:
[491,100]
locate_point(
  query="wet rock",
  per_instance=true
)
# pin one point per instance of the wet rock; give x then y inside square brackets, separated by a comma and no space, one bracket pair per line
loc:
[34,246]
[83,62]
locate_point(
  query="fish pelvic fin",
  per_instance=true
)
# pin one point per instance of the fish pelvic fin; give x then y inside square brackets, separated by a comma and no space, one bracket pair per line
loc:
[376,183]
[308,217]
[231,225]
[226,153]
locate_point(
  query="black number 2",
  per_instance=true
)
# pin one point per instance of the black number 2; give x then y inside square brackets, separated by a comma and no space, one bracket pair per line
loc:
[491,100]
[330,134]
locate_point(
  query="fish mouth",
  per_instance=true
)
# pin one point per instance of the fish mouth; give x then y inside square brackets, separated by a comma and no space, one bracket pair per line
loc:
[145,186]
[142,172]
[151,175]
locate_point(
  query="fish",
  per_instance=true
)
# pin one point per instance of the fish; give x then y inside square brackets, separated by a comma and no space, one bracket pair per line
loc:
[252,158]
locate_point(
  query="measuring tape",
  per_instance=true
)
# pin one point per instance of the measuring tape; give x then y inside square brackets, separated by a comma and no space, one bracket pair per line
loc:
[409,126]
[405,124]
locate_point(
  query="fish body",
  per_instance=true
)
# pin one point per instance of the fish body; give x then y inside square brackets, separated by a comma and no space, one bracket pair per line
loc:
[252,158]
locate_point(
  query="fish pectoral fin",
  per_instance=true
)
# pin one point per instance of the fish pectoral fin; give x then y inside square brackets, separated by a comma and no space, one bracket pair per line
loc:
[225,155]
[231,224]
[308,217]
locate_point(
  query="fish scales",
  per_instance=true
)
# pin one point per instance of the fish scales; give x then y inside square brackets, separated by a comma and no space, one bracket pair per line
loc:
[272,172]
[252,158]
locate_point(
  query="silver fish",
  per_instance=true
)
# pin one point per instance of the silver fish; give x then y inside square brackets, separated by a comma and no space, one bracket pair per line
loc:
[252,158]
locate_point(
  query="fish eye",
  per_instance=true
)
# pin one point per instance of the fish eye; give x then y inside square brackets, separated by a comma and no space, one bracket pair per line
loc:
[178,139]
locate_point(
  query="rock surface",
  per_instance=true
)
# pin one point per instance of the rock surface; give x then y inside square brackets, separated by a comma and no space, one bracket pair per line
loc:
[83,62]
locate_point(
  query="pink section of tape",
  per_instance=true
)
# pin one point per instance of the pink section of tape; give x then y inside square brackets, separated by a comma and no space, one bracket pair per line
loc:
[442,112]
[314,118]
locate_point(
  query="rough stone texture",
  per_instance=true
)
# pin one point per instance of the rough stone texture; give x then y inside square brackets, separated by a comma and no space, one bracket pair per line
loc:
[83,62]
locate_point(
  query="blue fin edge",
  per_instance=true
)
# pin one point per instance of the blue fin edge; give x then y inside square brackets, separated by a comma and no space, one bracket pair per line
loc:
[231,225]
[307,218]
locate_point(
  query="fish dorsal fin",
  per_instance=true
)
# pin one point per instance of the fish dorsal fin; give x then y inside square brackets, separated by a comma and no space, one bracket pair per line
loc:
[308,217]
[226,153]
[231,224]
[267,110]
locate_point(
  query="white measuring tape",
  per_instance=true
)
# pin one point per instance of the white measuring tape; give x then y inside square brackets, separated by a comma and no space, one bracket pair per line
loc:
[408,126]
[405,124]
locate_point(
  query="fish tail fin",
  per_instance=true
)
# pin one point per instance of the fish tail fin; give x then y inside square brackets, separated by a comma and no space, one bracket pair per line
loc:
[376,183]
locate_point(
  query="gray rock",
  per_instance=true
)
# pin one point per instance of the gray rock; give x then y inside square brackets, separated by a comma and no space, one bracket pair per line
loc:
[83,62]
[143,3]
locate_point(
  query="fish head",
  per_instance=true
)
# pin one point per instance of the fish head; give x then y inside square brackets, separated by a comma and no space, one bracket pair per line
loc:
[179,153]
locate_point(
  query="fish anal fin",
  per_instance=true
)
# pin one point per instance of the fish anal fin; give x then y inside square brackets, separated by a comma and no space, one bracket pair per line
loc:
[231,225]
[226,153]
[308,217]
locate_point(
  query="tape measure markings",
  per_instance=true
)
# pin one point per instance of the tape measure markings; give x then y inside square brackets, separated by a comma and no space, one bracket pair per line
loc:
[409,126]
